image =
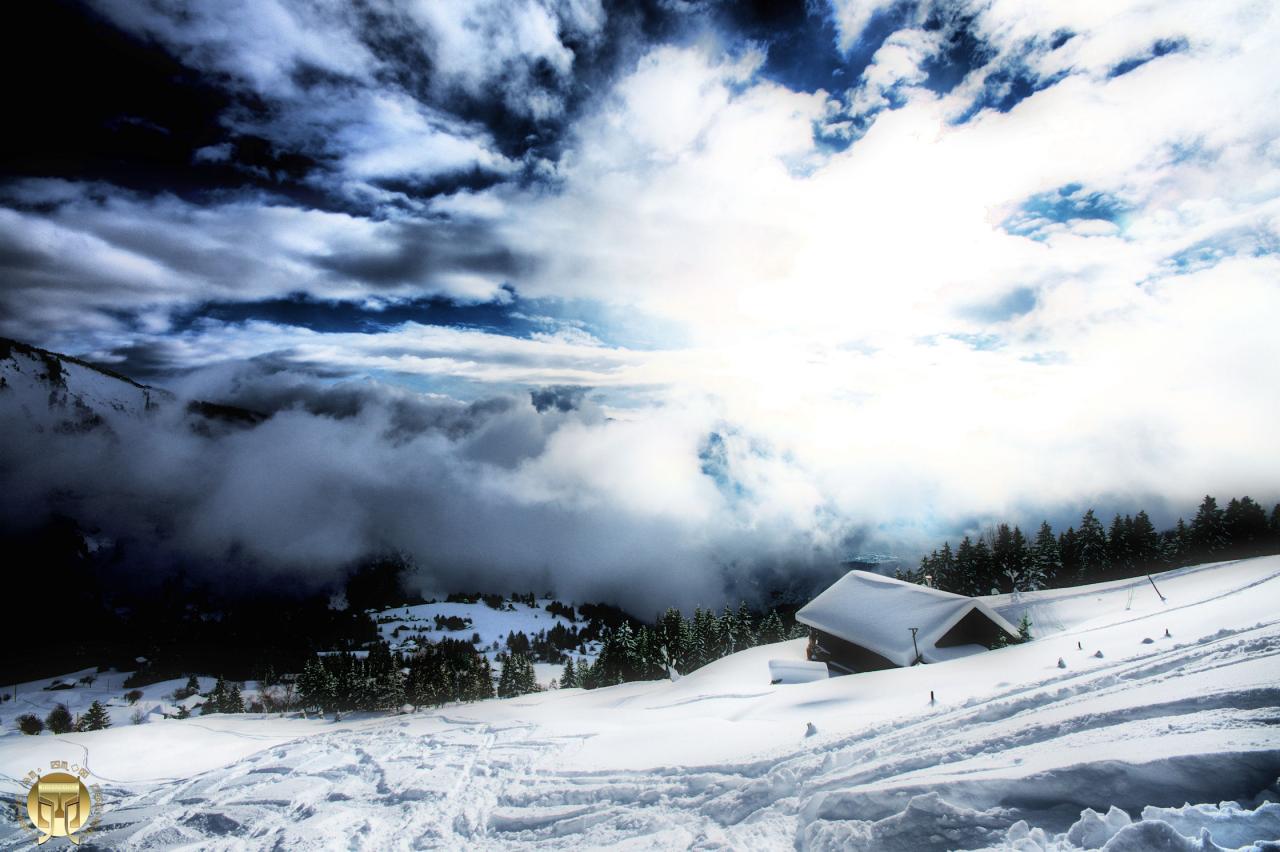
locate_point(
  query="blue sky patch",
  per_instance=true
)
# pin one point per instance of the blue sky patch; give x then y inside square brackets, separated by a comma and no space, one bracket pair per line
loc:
[1163,47]
[1015,303]
[1037,215]
[1241,242]
[515,316]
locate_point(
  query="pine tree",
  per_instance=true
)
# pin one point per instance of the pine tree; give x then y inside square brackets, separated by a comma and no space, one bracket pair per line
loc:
[984,570]
[588,677]
[771,629]
[316,686]
[1069,550]
[1092,545]
[527,678]
[183,712]
[1004,561]
[506,677]
[943,569]
[1246,525]
[1046,559]
[479,678]
[1144,541]
[1119,551]
[1181,544]
[1020,559]
[746,627]
[676,635]
[966,574]
[516,677]
[569,677]
[216,697]
[96,717]
[232,702]
[706,638]
[1208,528]
[1024,628]
[384,683]
[729,633]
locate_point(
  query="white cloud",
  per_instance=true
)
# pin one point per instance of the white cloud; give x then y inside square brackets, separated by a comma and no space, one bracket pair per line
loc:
[852,17]
[499,48]
[897,62]
[397,137]
[262,42]
[91,257]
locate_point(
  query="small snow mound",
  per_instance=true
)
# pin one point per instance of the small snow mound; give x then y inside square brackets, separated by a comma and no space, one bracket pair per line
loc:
[1153,837]
[796,671]
[1093,829]
[1229,823]
[1147,640]
[1062,664]
[1098,654]
[1023,838]
[809,729]
[928,823]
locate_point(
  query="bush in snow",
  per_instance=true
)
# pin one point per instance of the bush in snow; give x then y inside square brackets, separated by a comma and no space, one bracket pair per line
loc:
[133,696]
[59,720]
[30,724]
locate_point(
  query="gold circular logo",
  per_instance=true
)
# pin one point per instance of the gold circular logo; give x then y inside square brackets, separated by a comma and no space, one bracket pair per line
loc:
[58,806]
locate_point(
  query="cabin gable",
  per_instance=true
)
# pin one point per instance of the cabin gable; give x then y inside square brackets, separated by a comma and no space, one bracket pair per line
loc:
[974,629]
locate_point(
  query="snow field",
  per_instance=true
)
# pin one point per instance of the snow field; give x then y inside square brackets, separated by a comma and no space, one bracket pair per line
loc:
[416,623]
[1016,753]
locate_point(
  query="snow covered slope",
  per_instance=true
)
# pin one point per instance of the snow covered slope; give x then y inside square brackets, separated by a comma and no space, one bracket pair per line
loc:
[54,391]
[405,628]
[1007,756]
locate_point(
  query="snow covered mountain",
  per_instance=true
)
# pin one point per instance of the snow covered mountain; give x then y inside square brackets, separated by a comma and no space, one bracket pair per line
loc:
[66,393]
[57,392]
[1095,735]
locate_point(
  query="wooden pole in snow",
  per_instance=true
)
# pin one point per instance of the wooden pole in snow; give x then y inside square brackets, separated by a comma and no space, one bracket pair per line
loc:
[1153,585]
[914,647]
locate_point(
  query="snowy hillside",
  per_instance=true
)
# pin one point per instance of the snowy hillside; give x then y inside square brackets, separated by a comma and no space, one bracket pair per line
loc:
[53,390]
[406,628]
[1013,748]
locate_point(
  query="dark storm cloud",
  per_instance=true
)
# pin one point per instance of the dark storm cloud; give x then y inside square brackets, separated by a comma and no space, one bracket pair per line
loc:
[98,103]
[418,250]
[559,398]
[73,259]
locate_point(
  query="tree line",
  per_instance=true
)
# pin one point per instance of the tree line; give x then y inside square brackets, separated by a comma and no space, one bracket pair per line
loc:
[453,670]
[1004,560]
[675,643]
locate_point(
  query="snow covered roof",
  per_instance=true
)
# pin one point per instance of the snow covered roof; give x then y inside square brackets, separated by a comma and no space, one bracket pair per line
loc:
[877,613]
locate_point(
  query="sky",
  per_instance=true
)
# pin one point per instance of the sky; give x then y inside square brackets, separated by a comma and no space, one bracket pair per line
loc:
[751,287]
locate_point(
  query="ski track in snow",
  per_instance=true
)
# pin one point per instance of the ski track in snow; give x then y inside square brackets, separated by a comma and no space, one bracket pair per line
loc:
[1178,719]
